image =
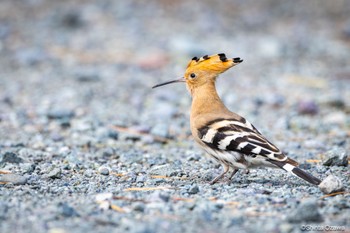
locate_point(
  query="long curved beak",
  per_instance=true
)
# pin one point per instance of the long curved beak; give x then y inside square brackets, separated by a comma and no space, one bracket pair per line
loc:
[169,82]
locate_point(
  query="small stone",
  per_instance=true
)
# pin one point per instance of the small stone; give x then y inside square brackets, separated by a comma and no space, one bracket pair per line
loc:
[65,210]
[103,170]
[60,114]
[28,168]
[87,75]
[331,184]
[336,103]
[72,19]
[307,107]
[56,137]
[141,179]
[89,173]
[14,179]
[193,189]
[10,157]
[307,211]
[140,207]
[159,170]
[55,173]
[336,157]
[113,134]
[108,152]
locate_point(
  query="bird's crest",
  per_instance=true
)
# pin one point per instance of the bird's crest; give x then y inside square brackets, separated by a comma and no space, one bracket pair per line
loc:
[216,63]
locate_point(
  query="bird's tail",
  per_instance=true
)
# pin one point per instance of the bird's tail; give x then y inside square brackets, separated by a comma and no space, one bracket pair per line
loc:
[289,166]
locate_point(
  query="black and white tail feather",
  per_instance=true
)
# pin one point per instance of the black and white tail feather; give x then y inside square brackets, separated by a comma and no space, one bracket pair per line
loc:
[296,171]
[225,136]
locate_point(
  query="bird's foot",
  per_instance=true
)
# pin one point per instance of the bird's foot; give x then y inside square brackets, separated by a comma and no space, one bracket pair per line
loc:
[226,168]
[231,176]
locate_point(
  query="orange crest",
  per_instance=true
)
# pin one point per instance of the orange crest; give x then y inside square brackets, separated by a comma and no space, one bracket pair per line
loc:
[216,64]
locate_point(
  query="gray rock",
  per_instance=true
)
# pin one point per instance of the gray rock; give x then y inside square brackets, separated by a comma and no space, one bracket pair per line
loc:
[28,168]
[14,179]
[84,74]
[193,189]
[63,209]
[72,19]
[307,211]
[336,157]
[60,114]
[107,152]
[140,207]
[141,179]
[331,184]
[89,173]
[10,157]
[113,134]
[103,170]
[159,170]
[55,173]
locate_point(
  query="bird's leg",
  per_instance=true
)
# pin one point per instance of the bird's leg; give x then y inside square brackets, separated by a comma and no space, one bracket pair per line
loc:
[233,173]
[226,168]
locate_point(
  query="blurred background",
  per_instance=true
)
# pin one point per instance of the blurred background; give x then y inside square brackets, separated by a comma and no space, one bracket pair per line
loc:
[78,65]
[100,58]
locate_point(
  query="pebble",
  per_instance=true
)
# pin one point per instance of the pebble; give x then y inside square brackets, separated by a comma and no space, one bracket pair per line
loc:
[89,173]
[307,107]
[65,210]
[87,75]
[104,170]
[28,168]
[55,173]
[331,184]
[10,157]
[108,152]
[72,19]
[159,170]
[60,114]
[193,189]
[140,207]
[336,157]
[13,178]
[113,134]
[307,211]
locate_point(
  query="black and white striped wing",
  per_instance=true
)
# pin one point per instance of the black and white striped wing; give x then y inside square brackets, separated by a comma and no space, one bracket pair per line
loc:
[239,136]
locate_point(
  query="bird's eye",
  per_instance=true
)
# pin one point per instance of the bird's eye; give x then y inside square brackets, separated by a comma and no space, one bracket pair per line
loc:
[193,75]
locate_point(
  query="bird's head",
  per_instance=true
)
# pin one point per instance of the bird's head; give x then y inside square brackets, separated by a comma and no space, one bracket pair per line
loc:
[203,70]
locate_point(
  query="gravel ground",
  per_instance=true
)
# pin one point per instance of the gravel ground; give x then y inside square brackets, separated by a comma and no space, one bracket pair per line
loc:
[89,147]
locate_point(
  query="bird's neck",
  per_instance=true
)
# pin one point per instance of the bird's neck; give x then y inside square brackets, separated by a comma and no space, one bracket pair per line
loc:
[205,100]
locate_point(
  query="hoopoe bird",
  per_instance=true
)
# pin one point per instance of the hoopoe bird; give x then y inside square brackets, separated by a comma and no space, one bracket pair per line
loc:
[227,137]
